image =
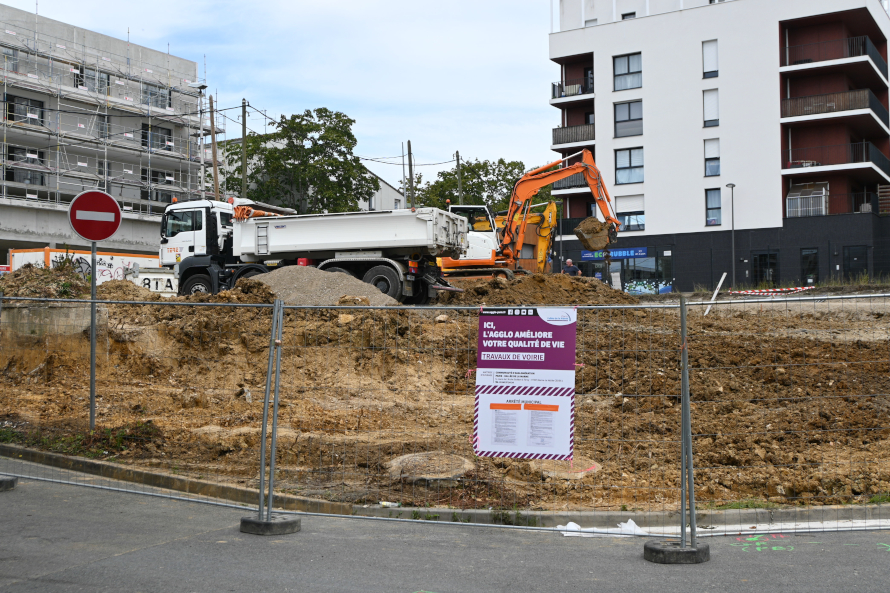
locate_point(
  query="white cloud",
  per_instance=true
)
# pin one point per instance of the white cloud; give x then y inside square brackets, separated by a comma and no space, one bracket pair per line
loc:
[465,75]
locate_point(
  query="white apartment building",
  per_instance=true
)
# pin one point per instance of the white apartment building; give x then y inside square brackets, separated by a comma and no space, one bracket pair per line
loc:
[786,100]
[85,111]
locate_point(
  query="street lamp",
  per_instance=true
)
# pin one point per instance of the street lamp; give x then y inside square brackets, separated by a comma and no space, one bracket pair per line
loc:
[731,187]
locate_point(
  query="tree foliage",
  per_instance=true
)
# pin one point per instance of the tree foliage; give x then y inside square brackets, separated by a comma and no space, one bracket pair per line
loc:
[306,163]
[483,182]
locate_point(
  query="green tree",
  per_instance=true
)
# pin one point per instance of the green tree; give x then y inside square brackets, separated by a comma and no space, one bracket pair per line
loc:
[306,163]
[484,182]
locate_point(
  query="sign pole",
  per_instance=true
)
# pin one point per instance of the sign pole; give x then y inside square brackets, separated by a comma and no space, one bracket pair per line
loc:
[94,216]
[93,338]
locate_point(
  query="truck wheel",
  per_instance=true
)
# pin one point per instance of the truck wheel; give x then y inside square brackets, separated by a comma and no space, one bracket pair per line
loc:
[339,271]
[385,279]
[197,284]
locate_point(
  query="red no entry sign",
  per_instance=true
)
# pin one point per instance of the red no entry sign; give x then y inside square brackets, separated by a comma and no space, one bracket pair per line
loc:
[94,215]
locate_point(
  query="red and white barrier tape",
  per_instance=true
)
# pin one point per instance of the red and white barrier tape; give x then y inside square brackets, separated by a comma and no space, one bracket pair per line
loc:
[773,291]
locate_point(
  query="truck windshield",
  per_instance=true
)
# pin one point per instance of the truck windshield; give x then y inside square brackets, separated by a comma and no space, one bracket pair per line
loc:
[476,217]
[182,221]
[225,219]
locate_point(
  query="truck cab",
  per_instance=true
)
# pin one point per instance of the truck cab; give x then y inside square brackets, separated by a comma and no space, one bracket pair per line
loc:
[201,227]
[482,235]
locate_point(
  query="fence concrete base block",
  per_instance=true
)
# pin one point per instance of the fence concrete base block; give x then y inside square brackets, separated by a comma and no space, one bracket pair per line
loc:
[277,525]
[669,552]
[7,483]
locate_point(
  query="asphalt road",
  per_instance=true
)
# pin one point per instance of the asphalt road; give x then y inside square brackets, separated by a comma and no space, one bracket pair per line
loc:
[57,537]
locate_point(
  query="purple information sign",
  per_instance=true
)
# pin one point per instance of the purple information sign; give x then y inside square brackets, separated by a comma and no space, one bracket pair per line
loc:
[525,383]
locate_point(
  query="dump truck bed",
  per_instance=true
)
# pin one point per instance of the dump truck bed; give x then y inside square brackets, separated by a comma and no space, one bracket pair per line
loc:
[426,231]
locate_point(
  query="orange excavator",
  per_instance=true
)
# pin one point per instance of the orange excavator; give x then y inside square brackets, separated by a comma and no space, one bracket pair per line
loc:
[492,252]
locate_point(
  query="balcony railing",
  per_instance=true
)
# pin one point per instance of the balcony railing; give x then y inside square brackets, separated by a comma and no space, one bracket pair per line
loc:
[572,87]
[571,134]
[836,49]
[842,154]
[570,182]
[835,102]
[826,205]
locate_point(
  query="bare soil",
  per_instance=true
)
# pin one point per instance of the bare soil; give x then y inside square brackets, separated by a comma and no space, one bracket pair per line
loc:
[538,289]
[789,404]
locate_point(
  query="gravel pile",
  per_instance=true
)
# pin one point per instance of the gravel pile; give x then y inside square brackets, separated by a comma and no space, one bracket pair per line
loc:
[303,285]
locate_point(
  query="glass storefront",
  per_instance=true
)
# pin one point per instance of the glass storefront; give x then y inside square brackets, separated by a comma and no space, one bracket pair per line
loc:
[638,275]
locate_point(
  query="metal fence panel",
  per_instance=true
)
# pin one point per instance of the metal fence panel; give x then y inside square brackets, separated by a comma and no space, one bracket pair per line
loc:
[790,412]
[178,390]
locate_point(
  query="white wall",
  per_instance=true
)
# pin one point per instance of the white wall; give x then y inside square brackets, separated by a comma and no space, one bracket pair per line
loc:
[673,133]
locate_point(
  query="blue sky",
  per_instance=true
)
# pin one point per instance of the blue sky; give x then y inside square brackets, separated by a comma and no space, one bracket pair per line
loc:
[463,75]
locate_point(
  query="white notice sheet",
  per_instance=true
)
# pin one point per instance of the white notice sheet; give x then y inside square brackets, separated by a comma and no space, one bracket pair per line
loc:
[504,424]
[540,429]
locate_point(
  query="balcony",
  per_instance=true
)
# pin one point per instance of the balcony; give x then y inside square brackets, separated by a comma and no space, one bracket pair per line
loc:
[571,182]
[584,134]
[827,205]
[835,103]
[572,89]
[823,54]
[863,156]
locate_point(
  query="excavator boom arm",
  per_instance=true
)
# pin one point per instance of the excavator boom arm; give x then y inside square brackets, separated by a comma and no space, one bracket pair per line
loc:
[526,188]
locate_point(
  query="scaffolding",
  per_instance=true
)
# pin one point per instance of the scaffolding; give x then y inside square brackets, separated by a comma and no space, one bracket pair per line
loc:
[103,121]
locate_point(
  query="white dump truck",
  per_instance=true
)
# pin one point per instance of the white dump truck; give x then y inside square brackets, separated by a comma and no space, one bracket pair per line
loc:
[207,246]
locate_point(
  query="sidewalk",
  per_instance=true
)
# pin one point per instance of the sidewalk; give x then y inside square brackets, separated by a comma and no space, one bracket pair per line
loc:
[59,537]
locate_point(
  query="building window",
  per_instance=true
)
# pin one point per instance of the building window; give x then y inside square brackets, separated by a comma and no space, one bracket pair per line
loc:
[26,158]
[712,108]
[628,15]
[809,266]
[628,71]
[156,96]
[629,166]
[92,80]
[158,138]
[590,23]
[589,118]
[21,109]
[158,178]
[712,157]
[629,119]
[709,59]
[10,59]
[713,207]
[632,221]
[397,203]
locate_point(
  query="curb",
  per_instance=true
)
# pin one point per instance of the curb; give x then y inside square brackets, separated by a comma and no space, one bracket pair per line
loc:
[186,485]
[600,519]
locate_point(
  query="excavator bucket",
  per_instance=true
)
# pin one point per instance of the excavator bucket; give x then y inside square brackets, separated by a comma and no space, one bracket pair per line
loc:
[594,234]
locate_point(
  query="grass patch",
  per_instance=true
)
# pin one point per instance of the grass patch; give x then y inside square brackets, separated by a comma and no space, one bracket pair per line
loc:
[99,443]
[750,503]
[879,499]
[517,518]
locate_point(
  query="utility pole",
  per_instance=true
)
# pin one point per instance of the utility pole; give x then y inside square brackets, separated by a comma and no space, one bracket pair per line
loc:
[460,187]
[243,148]
[411,174]
[213,152]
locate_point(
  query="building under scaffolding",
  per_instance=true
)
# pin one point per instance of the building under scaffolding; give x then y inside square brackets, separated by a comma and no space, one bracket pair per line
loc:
[85,111]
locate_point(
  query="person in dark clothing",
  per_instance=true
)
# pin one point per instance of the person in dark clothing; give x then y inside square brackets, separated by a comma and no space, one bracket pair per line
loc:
[571,269]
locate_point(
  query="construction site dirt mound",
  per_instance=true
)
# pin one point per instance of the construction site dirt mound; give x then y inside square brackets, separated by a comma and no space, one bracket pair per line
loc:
[62,282]
[540,289]
[124,290]
[305,285]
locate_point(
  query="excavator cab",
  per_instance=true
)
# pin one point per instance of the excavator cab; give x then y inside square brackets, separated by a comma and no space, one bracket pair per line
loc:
[483,237]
